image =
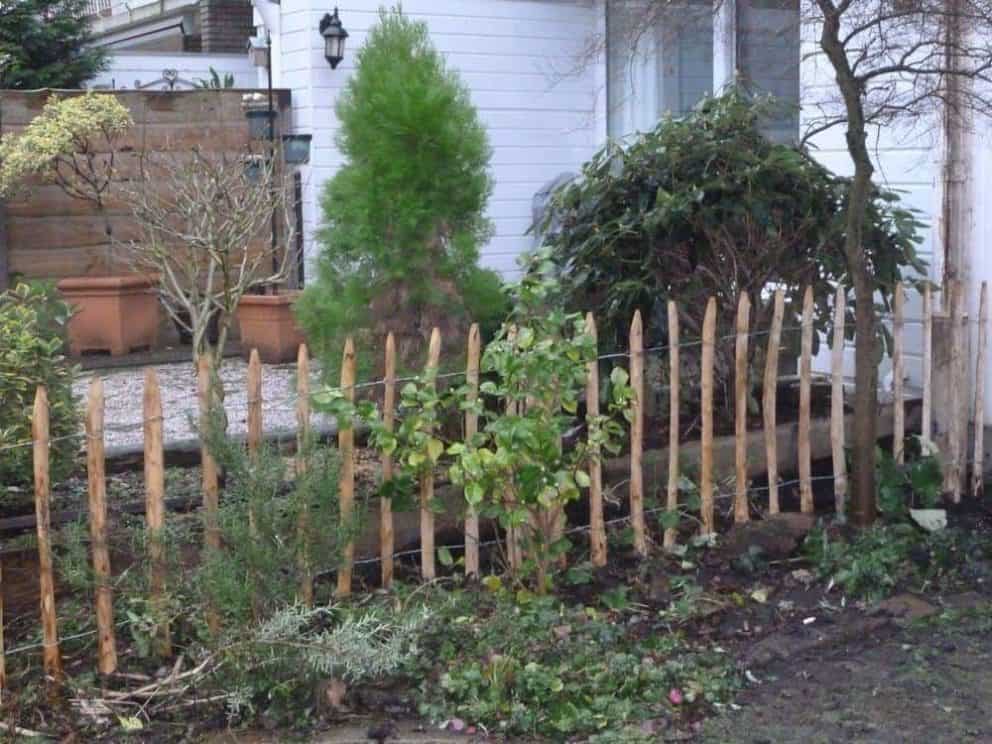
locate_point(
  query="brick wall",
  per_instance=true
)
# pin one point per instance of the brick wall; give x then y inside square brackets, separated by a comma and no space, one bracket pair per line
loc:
[225,25]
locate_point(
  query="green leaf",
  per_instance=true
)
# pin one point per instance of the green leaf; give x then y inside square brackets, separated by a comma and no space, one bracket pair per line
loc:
[445,557]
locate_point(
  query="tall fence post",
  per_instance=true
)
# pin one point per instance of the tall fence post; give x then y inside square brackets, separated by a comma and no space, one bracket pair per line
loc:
[427,568]
[674,400]
[978,466]
[42,494]
[97,490]
[346,485]
[927,416]
[837,402]
[471,428]
[805,395]
[741,510]
[769,400]
[302,454]
[898,409]
[155,507]
[955,427]
[3,653]
[637,435]
[706,454]
[254,416]
[386,538]
[209,476]
[597,523]
[514,549]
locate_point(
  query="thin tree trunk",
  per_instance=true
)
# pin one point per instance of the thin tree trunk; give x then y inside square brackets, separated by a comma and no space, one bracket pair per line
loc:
[865,357]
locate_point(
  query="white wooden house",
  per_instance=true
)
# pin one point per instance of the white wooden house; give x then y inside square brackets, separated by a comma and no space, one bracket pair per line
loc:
[551,93]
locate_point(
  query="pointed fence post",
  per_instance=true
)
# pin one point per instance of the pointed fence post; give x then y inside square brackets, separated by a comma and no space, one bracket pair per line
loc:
[955,427]
[706,454]
[254,405]
[673,420]
[346,483]
[386,538]
[155,506]
[805,395]
[769,400]
[898,409]
[471,428]
[597,523]
[978,466]
[637,435]
[427,567]
[97,490]
[42,494]
[837,402]
[209,475]
[302,454]
[741,510]
[926,425]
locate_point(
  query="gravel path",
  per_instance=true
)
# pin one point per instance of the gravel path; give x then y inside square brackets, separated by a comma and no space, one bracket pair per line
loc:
[123,392]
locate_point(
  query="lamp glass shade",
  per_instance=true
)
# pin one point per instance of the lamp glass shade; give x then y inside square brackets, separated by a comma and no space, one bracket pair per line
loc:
[296,148]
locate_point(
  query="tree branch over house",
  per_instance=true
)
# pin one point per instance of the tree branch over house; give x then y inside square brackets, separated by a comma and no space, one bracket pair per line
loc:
[919,64]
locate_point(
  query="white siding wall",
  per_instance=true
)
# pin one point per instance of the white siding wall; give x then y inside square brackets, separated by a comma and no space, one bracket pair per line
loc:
[511,53]
[136,69]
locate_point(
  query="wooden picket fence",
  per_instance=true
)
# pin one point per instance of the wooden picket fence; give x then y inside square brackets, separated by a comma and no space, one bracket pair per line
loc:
[154,454]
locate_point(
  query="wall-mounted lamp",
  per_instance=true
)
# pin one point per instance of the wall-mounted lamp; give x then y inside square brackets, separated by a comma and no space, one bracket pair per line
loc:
[258,50]
[334,38]
[296,148]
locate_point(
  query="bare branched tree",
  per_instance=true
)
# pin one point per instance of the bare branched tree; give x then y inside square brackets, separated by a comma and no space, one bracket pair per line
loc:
[892,63]
[204,222]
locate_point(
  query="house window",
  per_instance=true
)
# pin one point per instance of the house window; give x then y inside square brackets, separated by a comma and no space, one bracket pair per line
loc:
[664,57]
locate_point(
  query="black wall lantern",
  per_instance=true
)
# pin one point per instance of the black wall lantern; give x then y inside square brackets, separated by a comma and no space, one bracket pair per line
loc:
[296,148]
[334,38]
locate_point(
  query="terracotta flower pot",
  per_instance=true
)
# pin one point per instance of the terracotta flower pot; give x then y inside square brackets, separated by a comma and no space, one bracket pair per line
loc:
[267,323]
[113,313]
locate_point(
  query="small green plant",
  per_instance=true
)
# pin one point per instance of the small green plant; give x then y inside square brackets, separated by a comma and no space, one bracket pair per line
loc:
[32,325]
[914,484]
[514,469]
[215,81]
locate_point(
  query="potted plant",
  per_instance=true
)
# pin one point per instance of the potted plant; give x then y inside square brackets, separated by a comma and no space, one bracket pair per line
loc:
[268,323]
[73,143]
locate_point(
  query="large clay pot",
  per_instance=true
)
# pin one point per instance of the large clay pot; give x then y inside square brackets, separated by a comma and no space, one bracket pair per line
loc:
[118,314]
[267,323]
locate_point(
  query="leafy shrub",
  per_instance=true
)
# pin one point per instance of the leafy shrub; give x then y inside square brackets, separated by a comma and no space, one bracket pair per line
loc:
[546,669]
[258,571]
[404,215]
[32,325]
[915,484]
[705,206]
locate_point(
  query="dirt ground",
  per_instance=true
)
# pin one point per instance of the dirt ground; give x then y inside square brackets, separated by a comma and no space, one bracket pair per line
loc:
[926,681]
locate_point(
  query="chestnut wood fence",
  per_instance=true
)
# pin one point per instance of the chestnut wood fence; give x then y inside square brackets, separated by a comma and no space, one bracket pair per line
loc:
[742,335]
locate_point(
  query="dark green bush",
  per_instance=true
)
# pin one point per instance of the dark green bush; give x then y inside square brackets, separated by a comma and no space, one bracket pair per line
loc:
[32,326]
[404,216]
[706,206]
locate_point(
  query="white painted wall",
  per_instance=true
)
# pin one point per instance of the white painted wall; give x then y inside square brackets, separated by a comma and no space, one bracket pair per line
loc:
[512,54]
[129,70]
